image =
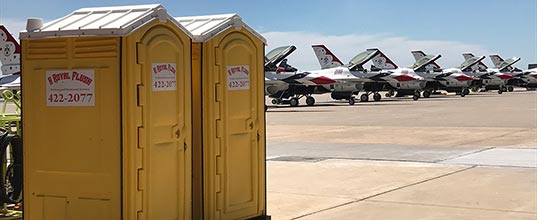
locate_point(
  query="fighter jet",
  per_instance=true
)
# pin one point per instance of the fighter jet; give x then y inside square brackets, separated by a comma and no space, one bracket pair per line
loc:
[450,80]
[529,77]
[384,75]
[507,67]
[303,84]
[491,78]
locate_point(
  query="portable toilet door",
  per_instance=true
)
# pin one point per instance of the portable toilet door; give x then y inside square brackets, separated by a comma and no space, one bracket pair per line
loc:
[106,116]
[160,119]
[231,78]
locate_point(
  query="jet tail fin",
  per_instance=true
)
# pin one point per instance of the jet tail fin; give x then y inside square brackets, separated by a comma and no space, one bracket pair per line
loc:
[473,63]
[496,60]
[381,61]
[326,58]
[502,64]
[418,54]
[476,63]
[10,51]
[425,62]
[468,56]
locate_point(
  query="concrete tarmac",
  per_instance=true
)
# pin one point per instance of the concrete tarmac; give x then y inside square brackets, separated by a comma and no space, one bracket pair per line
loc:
[444,157]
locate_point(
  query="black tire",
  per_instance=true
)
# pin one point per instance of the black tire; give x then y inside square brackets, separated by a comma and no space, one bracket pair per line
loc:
[463,94]
[310,101]
[426,94]
[11,188]
[510,89]
[417,93]
[275,101]
[293,102]
[377,97]
[500,91]
[504,89]
[466,91]
[415,97]
[352,101]
[364,98]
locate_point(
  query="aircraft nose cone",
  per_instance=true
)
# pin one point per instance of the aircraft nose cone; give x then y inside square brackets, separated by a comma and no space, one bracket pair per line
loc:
[404,78]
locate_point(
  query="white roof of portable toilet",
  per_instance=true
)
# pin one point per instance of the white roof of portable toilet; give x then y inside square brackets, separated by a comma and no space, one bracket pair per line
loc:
[206,27]
[102,21]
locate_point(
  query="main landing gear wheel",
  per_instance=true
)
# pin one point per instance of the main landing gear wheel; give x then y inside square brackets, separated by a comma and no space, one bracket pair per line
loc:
[500,91]
[504,89]
[466,91]
[416,96]
[390,93]
[276,101]
[310,101]
[352,101]
[426,94]
[510,89]
[293,102]
[364,98]
[377,97]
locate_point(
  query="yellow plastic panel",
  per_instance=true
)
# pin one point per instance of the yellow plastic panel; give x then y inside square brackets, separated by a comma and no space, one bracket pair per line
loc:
[234,146]
[72,152]
[197,156]
[157,114]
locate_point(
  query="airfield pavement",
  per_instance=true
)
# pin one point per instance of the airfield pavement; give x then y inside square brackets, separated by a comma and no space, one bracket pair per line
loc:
[443,157]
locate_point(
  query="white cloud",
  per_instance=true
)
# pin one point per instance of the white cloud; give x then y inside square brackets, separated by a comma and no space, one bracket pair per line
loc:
[347,46]
[14,26]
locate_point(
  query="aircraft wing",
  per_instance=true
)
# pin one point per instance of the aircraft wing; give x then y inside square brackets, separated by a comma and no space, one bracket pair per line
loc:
[359,60]
[277,55]
[425,63]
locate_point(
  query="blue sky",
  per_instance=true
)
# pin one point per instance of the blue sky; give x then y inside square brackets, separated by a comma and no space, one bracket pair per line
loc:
[506,27]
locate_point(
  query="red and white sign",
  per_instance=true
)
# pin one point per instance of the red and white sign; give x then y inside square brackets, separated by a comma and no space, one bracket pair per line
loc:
[238,77]
[70,87]
[164,78]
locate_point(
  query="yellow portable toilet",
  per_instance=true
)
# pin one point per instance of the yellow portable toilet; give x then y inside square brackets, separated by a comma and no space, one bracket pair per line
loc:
[229,118]
[107,115]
